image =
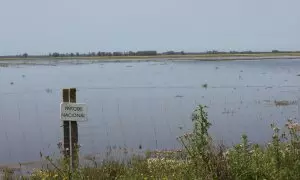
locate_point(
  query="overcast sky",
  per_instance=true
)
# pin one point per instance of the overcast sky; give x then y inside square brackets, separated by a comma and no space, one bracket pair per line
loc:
[43,26]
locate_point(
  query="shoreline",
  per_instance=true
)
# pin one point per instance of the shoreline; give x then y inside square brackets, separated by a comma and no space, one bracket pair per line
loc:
[4,62]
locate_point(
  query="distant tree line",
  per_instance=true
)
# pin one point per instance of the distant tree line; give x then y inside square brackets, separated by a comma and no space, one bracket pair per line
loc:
[24,55]
[153,53]
[100,53]
[149,53]
[173,53]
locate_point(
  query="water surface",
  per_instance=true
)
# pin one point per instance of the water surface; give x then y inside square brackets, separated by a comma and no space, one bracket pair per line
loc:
[142,104]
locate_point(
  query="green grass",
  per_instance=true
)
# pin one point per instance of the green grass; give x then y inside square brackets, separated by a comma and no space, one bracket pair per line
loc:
[201,158]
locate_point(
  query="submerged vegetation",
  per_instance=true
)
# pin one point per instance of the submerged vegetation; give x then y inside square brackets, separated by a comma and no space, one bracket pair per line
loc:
[199,158]
[285,103]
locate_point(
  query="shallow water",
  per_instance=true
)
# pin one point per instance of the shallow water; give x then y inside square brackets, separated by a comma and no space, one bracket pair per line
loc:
[147,104]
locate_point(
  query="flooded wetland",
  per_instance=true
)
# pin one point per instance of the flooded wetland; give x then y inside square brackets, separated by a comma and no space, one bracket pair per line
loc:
[143,105]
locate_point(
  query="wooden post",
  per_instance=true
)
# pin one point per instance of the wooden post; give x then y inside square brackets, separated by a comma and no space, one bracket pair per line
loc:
[70,135]
[74,131]
[66,139]
[298,109]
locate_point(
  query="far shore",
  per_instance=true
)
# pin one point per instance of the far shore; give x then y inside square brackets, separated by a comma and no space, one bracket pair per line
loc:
[198,57]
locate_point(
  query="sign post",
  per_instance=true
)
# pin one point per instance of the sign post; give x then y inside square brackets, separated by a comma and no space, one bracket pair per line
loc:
[71,112]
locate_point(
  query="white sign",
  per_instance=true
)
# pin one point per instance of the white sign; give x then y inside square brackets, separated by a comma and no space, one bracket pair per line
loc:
[73,112]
